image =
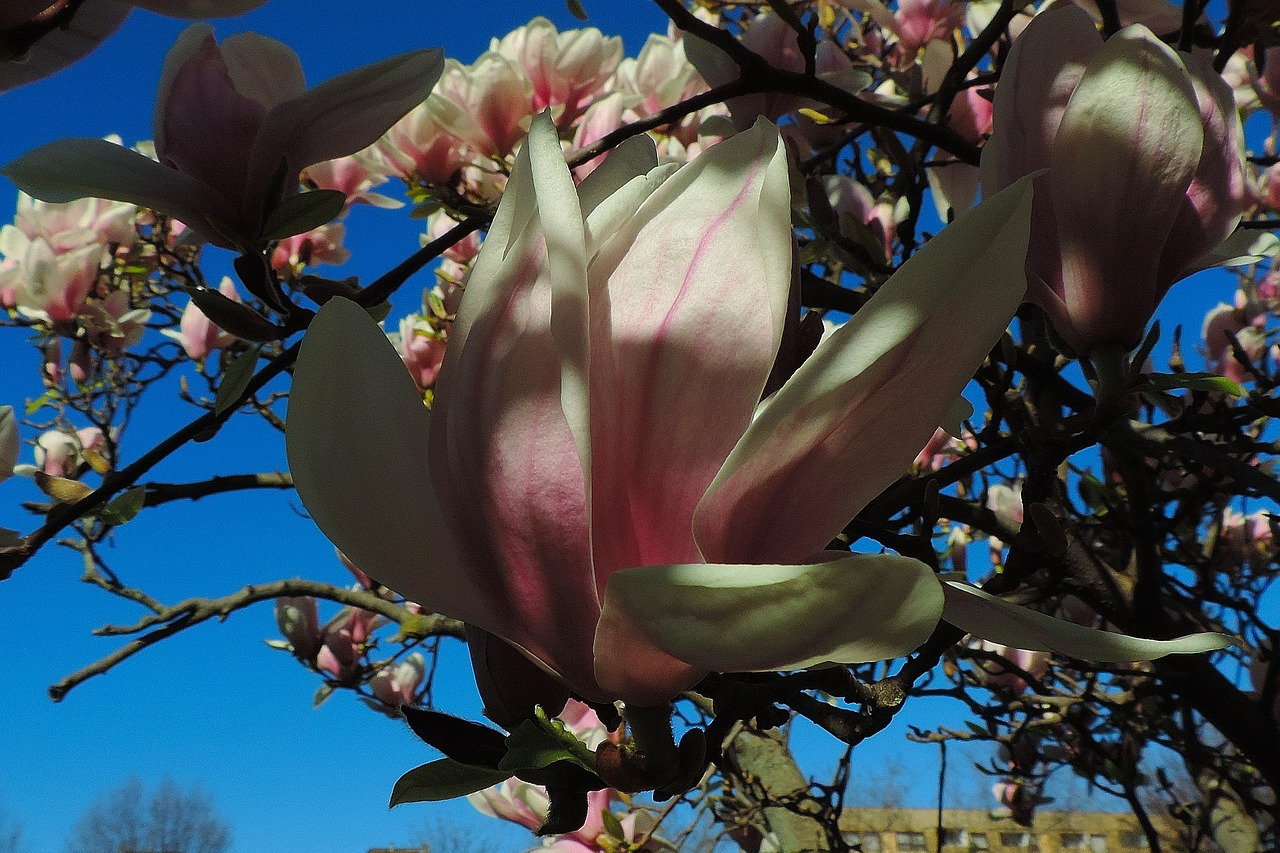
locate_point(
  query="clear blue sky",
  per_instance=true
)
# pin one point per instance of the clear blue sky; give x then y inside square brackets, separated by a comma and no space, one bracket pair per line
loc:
[215,705]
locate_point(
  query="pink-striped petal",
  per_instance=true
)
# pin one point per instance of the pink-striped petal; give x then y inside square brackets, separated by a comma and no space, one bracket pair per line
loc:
[1119,178]
[688,304]
[850,421]
[511,411]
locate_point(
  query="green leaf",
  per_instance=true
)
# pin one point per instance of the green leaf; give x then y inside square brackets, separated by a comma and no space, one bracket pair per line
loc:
[323,692]
[532,747]
[35,405]
[612,825]
[1197,382]
[300,213]
[279,644]
[235,380]
[124,507]
[466,742]
[443,780]
[576,9]
[234,317]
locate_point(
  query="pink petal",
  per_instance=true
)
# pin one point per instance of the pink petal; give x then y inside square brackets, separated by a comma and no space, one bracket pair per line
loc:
[1118,180]
[850,421]
[688,302]
[505,456]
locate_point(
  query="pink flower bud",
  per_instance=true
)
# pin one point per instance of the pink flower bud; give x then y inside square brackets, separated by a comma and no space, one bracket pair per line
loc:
[397,684]
[199,335]
[299,621]
[1134,196]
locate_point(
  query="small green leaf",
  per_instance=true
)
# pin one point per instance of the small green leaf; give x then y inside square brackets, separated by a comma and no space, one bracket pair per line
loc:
[1197,382]
[322,695]
[300,213]
[62,489]
[235,380]
[425,209]
[124,507]
[532,747]
[612,825]
[576,9]
[35,405]
[279,644]
[443,780]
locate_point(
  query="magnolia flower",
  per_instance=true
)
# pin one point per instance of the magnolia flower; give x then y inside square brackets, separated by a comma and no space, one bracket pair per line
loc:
[234,126]
[1246,322]
[90,23]
[593,482]
[344,639]
[199,335]
[567,70]
[1144,151]
[112,325]
[396,684]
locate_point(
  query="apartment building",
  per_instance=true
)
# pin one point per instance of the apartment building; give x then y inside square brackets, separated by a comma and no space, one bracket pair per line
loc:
[900,830]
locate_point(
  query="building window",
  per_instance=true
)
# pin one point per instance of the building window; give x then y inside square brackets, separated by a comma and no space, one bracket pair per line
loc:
[954,838]
[1014,839]
[978,841]
[868,842]
[910,842]
[1098,843]
[1133,840]
[1073,840]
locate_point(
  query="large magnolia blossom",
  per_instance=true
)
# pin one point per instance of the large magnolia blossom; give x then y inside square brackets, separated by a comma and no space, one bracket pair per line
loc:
[597,481]
[1145,159]
[92,22]
[234,126]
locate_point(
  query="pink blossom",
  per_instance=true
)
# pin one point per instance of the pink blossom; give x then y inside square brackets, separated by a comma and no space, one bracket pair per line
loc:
[354,176]
[567,70]
[344,639]
[422,348]
[917,22]
[49,285]
[1134,196]
[112,325]
[396,684]
[1246,322]
[58,453]
[486,105]
[321,245]
[199,335]
[587,500]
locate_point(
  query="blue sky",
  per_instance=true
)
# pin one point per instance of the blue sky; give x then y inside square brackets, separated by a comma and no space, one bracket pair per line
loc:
[214,704]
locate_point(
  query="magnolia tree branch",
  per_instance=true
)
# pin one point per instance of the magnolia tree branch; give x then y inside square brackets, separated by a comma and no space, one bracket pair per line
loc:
[759,76]
[162,493]
[170,620]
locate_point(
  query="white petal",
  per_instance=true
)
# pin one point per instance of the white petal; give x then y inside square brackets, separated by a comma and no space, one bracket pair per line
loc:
[733,618]
[999,621]
[356,437]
